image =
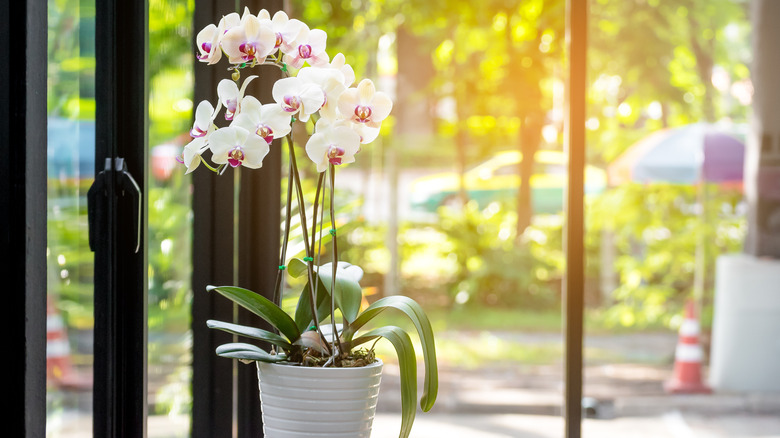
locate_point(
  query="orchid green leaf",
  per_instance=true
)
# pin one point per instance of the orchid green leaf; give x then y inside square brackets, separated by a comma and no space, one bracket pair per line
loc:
[416,314]
[407,364]
[247,352]
[262,307]
[297,267]
[303,316]
[349,294]
[250,332]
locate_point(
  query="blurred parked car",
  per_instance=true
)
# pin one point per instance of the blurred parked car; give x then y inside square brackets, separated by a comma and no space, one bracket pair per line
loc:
[497,179]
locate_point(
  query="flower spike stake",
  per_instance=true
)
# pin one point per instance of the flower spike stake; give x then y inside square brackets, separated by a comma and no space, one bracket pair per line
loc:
[329,330]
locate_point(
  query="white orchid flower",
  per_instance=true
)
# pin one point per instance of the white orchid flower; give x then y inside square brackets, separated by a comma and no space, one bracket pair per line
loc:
[204,118]
[208,42]
[308,46]
[251,40]
[191,155]
[268,121]
[339,62]
[298,97]
[231,20]
[367,134]
[230,96]
[331,82]
[334,145]
[365,105]
[236,146]
[285,29]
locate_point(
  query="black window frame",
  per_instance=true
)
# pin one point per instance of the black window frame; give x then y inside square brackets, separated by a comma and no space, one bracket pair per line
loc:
[23,26]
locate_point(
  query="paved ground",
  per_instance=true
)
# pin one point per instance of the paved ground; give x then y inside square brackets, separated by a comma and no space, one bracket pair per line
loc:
[624,398]
[672,424]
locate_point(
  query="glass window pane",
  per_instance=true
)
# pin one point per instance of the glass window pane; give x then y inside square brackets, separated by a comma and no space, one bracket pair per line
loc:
[170,114]
[70,163]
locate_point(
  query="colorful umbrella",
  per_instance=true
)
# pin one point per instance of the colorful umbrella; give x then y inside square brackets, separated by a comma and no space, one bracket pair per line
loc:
[686,155]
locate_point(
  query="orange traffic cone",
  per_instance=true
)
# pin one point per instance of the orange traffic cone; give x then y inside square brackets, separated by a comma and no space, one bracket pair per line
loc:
[59,369]
[687,377]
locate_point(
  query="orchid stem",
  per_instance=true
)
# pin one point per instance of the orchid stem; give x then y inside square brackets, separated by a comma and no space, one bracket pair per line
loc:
[337,338]
[283,255]
[307,249]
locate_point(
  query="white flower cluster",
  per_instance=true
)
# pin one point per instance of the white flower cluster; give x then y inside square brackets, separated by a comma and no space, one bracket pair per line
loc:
[346,116]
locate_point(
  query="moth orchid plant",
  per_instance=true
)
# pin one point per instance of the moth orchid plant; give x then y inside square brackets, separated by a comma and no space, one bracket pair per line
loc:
[317,91]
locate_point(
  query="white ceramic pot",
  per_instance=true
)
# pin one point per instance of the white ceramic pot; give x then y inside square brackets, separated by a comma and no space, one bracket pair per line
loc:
[303,402]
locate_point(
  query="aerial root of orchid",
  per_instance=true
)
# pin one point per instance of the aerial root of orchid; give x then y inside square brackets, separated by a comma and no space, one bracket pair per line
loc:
[314,87]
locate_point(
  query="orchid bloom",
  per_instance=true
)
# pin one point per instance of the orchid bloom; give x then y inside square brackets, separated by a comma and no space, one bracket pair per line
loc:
[230,96]
[268,121]
[236,146]
[308,46]
[208,42]
[298,97]
[331,82]
[231,20]
[204,118]
[285,29]
[339,62]
[367,134]
[365,105]
[333,145]
[191,155]
[250,41]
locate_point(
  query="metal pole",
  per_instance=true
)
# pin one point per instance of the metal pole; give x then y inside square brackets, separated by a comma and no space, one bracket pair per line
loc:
[574,281]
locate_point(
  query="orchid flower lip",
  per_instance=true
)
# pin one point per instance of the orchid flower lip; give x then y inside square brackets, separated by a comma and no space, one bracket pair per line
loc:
[236,156]
[334,154]
[249,50]
[292,103]
[363,113]
[266,133]
[304,50]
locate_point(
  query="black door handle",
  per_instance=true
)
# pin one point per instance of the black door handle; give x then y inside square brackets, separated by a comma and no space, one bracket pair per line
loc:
[100,194]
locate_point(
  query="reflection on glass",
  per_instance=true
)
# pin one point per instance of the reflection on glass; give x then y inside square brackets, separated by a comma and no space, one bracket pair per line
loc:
[170,233]
[70,164]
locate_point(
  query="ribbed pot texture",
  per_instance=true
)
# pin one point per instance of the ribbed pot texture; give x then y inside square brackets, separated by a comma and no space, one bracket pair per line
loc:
[303,402]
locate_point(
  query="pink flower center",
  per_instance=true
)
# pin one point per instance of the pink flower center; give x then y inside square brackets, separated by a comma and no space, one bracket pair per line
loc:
[279,39]
[334,154]
[235,157]
[291,104]
[266,133]
[304,50]
[362,113]
[249,50]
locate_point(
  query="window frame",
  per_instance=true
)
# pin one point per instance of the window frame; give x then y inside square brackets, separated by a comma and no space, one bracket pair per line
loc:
[23,199]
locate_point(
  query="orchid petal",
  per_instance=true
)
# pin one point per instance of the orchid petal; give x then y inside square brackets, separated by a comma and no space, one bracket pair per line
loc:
[317,40]
[255,149]
[366,91]
[381,106]
[276,118]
